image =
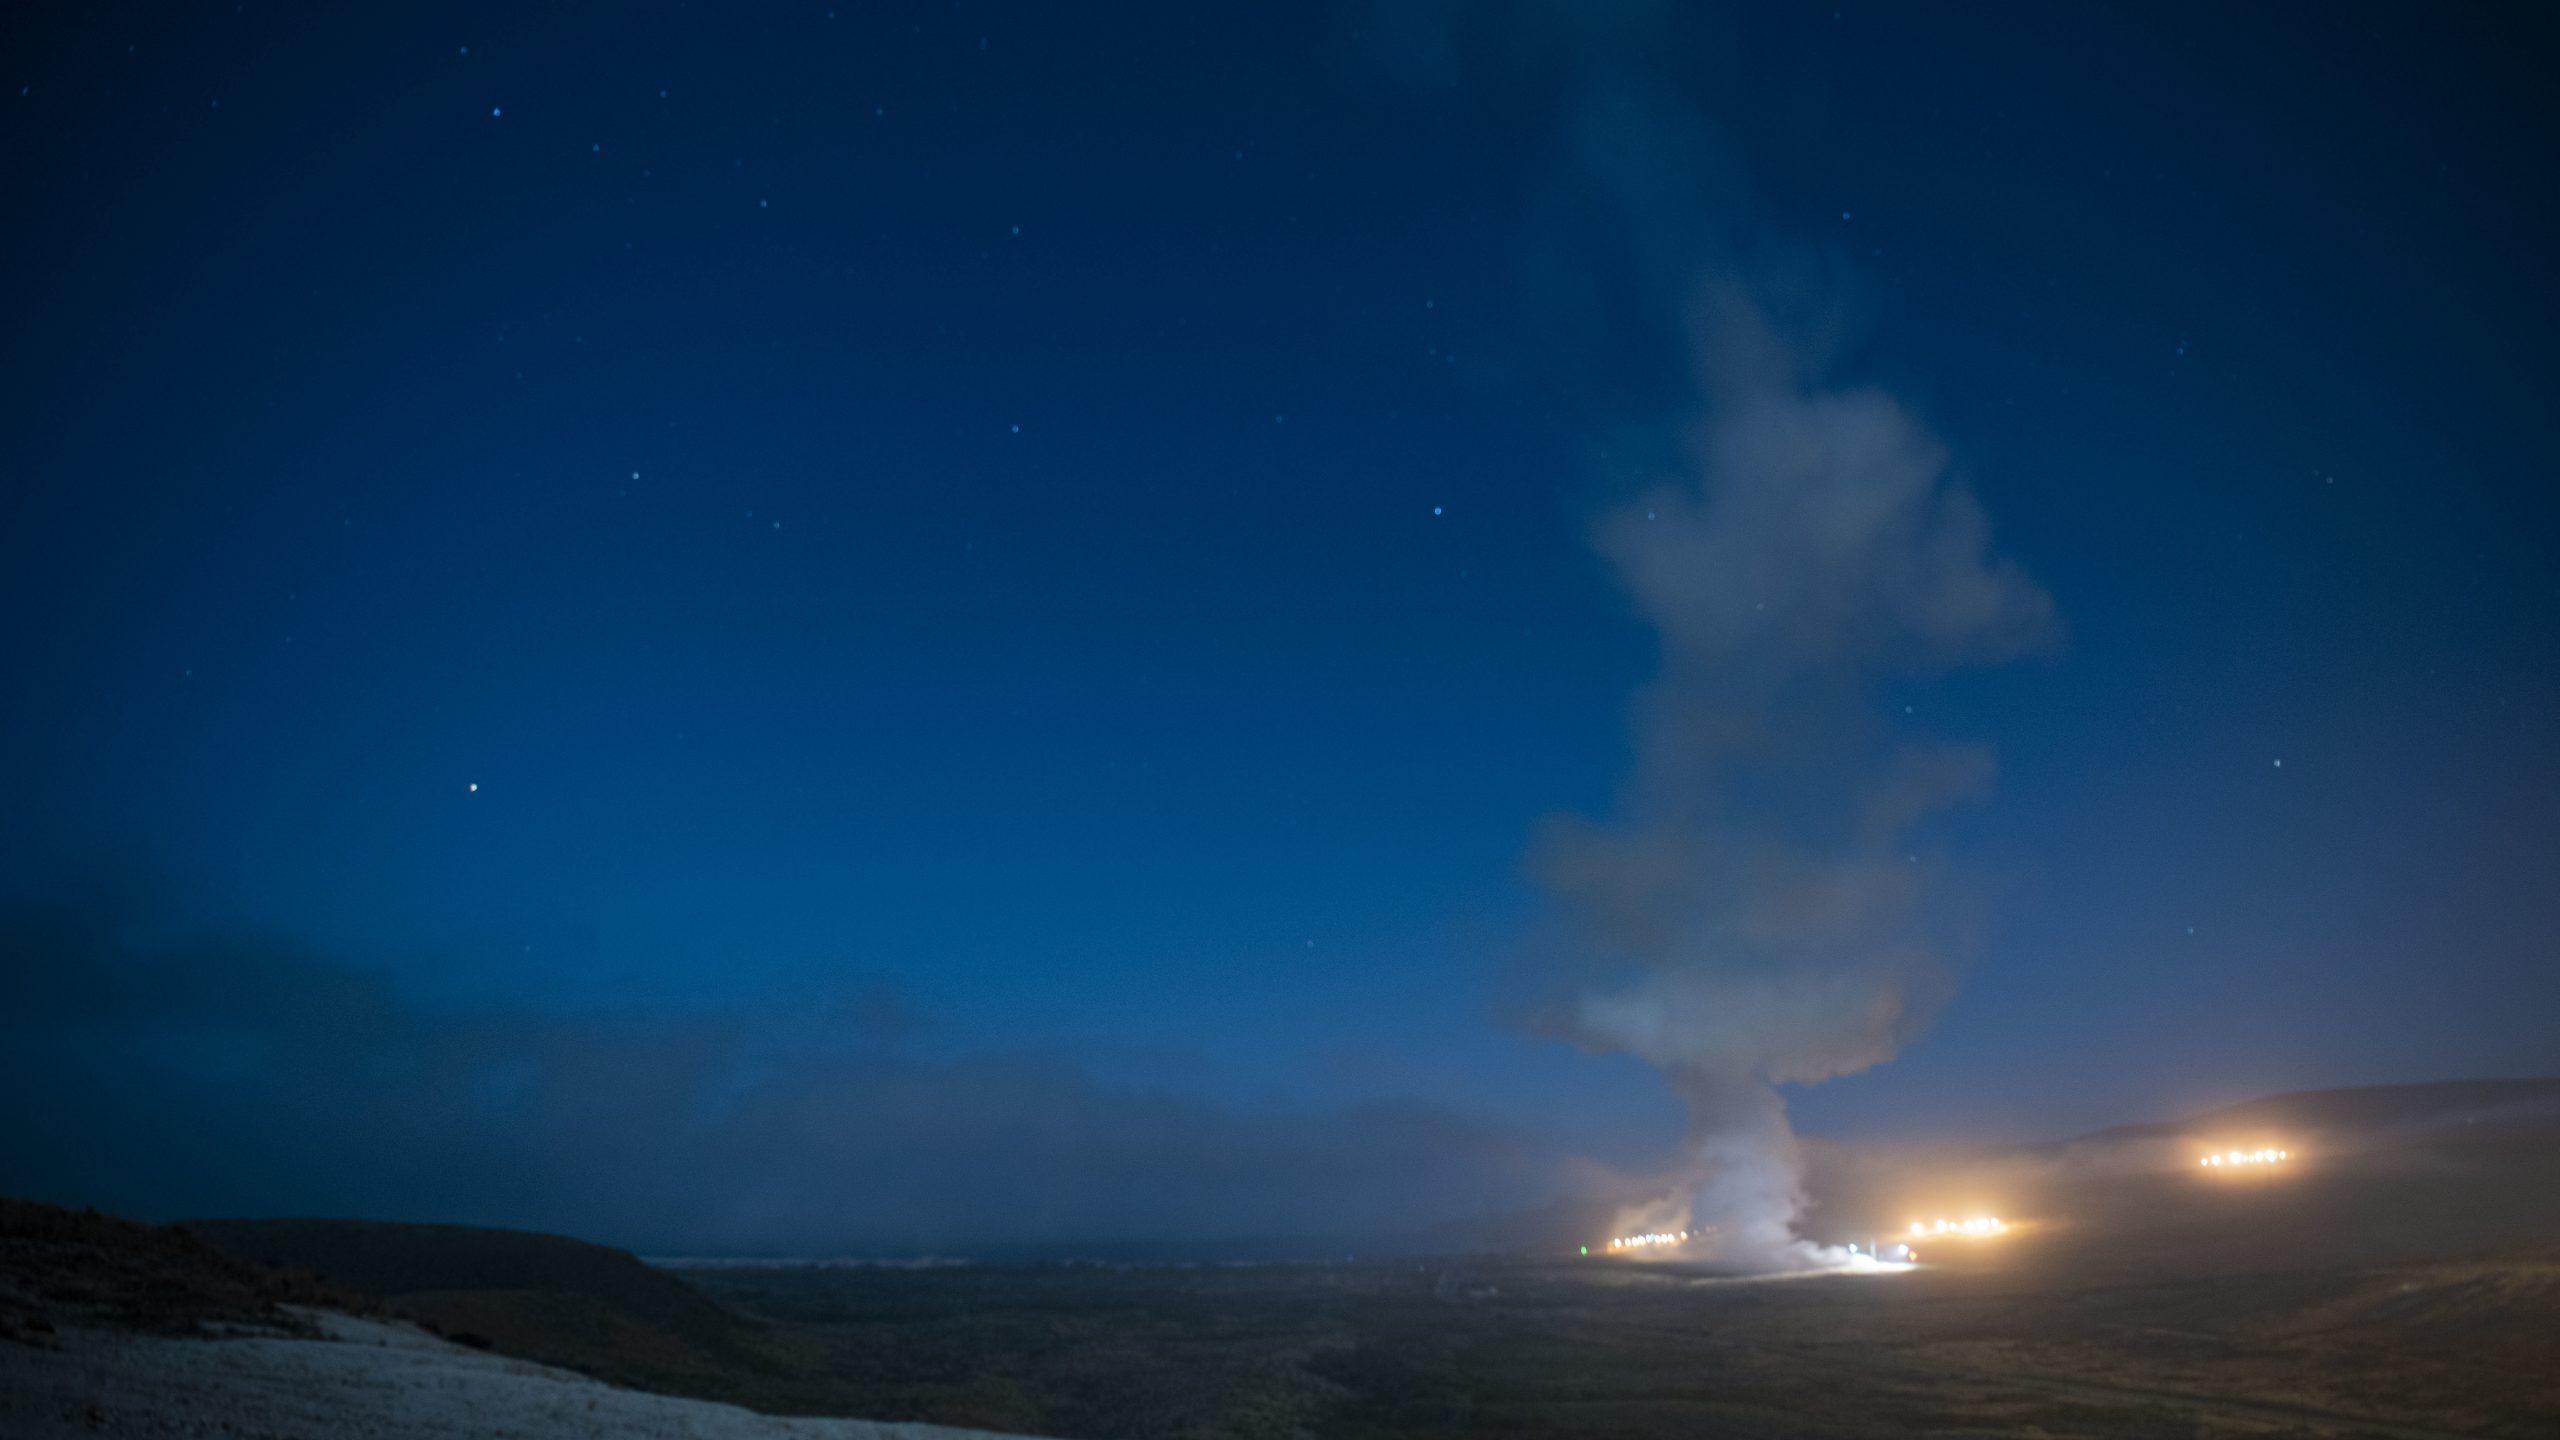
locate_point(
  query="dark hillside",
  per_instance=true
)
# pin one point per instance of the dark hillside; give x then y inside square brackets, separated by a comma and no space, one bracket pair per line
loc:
[547,1298]
[63,1268]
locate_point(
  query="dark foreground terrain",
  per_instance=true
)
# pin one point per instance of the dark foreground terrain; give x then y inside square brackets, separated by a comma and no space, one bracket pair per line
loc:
[1529,1350]
[2401,1279]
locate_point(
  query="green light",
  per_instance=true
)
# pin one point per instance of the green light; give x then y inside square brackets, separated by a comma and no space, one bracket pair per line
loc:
[1586,1249]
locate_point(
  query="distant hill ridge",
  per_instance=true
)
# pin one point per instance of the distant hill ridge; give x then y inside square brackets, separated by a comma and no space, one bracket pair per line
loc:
[2359,1108]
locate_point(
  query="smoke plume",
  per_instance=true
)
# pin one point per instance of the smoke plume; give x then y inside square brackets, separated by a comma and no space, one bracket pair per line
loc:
[1755,914]
[1757,911]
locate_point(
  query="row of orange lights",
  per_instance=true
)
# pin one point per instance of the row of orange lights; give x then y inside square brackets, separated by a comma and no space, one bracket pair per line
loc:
[1982,1225]
[2246,1157]
[1656,1237]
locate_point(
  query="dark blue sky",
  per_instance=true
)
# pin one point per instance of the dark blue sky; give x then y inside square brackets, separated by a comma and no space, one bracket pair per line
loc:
[1029,552]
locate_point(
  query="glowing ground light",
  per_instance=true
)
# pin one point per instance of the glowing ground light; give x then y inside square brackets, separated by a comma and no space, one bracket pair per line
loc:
[1980,1225]
[1655,1237]
[2245,1157]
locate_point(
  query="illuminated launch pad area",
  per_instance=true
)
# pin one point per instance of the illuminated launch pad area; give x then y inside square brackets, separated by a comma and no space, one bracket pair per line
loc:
[1901,1249]
[1871,1256]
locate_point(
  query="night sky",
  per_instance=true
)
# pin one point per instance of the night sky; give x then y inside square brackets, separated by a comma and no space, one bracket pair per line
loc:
[775,628]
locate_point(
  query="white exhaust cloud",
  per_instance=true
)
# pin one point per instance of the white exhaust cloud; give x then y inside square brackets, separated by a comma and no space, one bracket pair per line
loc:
[1754,915]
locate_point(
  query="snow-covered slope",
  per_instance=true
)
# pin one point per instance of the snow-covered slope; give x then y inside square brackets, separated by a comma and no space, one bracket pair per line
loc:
[366,1380]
